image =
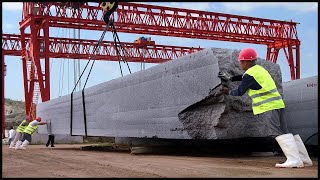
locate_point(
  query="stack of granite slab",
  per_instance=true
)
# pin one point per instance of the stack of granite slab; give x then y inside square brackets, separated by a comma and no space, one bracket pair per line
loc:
[179,99]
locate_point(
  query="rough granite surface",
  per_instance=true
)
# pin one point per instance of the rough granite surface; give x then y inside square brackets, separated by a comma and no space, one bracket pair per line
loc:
[219,116]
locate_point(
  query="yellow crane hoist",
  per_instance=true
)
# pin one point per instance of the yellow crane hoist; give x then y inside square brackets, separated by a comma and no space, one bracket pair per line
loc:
[108,8]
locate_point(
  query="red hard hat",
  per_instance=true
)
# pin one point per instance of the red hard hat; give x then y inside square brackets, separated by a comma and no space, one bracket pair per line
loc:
[28,118]
[38,119]
[247,54]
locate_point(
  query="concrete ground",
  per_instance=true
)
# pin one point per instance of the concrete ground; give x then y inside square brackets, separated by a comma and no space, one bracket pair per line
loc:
[67,160]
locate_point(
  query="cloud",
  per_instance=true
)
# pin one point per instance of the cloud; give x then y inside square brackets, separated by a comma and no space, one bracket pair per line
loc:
[9,26]
[203,6]
[309,55]
[293,6]
[12,6]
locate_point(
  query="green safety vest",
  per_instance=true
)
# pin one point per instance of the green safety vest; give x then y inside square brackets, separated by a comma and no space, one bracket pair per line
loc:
[21,128]
[31,129]
[267,98]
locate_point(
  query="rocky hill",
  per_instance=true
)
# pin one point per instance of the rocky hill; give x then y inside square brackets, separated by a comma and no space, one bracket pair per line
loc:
[15,112]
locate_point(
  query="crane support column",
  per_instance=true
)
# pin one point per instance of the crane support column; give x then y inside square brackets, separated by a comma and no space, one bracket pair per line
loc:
[24,59]
[47,61]
[3,73]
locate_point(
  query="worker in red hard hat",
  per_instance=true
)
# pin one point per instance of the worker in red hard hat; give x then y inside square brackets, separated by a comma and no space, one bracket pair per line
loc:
[27,133]
[267,100]
[19,131]
[38,119]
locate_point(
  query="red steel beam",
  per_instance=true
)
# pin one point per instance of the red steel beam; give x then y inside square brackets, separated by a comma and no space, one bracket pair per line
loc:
[167,21]
[82,49]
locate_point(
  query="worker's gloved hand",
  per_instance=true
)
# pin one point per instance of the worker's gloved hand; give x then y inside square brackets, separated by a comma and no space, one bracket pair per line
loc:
[224,76]
[225,90]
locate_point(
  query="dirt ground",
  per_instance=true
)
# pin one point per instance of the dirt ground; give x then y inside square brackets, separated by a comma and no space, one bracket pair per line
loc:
[69,161]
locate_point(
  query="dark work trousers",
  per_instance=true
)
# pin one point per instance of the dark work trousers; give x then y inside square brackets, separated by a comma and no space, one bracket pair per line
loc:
[51,139]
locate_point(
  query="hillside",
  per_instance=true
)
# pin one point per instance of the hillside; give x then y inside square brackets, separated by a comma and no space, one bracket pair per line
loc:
[14,112]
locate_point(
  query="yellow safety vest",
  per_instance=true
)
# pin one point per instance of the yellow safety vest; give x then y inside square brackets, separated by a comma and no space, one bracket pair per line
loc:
[267,98]
[31,129]
[21,128]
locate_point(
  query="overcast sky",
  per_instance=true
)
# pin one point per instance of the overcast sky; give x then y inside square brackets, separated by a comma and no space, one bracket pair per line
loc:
[62,70]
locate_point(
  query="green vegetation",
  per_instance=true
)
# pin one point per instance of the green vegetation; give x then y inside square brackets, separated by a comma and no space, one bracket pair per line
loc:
[14,113]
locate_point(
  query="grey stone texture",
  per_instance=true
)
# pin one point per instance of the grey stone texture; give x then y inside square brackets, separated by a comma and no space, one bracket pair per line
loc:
[179,99]
[219,116]
[58,139]
[301,112]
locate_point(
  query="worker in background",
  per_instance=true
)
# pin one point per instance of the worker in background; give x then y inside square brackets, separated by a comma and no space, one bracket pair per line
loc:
[267,100]
[12,133]
[50,135]
[27,133]
[19,131]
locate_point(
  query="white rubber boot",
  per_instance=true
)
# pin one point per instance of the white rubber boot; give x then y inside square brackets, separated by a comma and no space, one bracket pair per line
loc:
[24,144]
[290,150]
[303,153]
[12,145]
[18,144]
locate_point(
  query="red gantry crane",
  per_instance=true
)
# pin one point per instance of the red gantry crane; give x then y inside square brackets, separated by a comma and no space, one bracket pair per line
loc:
[141,19]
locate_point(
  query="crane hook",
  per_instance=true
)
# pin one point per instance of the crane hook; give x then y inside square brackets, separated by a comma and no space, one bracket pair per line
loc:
[108,8]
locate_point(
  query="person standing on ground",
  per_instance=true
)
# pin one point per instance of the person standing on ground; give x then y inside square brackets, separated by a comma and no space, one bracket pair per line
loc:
[50,135]
[19,131]
[267,100]
[12,133]
[27,133]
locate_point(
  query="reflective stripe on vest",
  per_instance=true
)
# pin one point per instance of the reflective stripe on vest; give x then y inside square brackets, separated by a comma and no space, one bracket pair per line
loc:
[30,129]
[21,128]
[267,98]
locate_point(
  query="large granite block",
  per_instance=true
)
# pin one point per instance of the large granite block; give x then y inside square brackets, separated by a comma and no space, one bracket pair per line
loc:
[178,99]
[301,112]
